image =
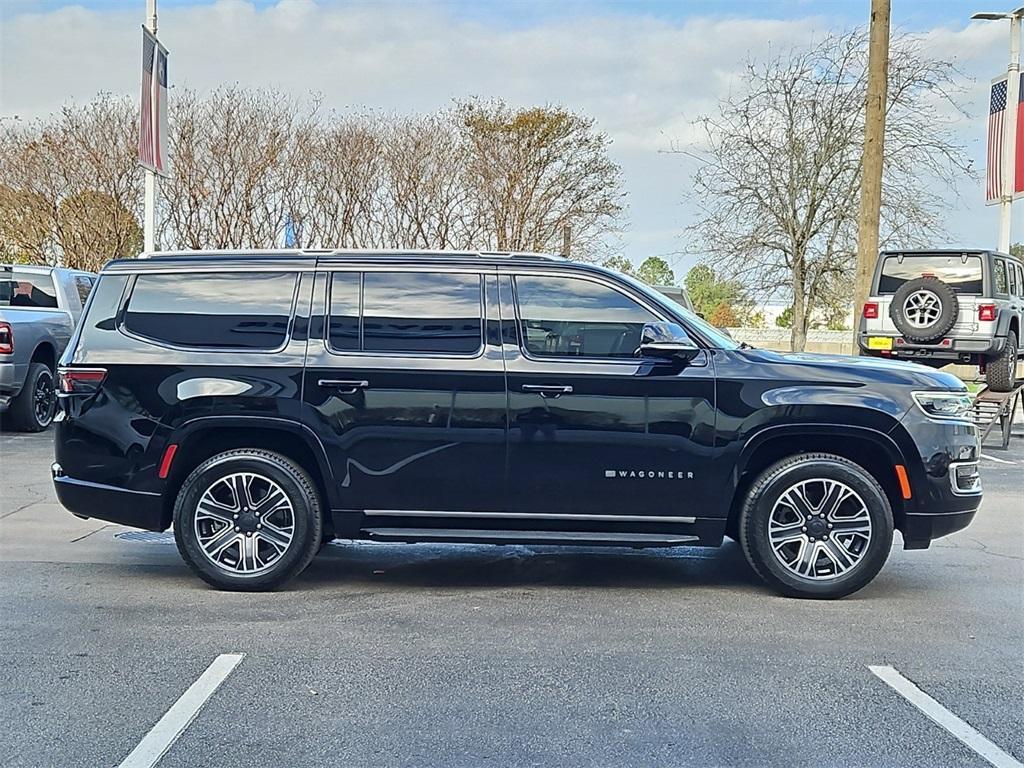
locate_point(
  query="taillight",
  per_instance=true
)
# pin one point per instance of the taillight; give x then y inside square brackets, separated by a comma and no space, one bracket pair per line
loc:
[871,310]
[81,381]
[6,339]
[986,312]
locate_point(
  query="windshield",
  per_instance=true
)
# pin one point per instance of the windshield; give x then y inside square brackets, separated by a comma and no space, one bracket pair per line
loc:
[712,335]
[961,273]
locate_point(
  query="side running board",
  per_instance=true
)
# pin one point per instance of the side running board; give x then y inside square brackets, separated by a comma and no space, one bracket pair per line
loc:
[484,536]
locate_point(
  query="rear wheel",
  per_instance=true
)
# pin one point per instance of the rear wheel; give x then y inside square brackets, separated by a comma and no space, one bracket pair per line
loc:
[248,520]
[1001,372]
[32,410]
[816,526]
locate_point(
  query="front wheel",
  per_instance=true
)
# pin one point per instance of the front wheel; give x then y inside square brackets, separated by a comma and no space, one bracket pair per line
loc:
[816,526]
[248,520]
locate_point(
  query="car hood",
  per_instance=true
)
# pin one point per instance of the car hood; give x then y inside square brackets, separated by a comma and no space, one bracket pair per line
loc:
[859,370]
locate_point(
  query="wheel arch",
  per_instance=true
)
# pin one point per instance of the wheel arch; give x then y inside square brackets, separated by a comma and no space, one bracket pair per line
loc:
[874,451]
[45,352]
[201,438]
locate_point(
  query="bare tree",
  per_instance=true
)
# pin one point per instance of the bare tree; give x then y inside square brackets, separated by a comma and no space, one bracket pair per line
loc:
[228,170]
[72,190]
[780,176]
[249,164]
[535,171]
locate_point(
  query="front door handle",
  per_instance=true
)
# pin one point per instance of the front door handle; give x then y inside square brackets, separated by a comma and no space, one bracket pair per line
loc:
[548,390]
[344,386]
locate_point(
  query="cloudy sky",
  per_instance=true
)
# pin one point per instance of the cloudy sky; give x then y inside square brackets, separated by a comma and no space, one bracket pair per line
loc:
[645,69]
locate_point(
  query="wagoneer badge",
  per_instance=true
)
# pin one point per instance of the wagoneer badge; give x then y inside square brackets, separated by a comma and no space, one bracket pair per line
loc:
[649,474]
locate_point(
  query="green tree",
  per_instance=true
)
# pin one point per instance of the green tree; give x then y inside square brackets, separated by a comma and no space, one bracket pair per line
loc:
[785,318]
[620,264]
[1017,249]
[656,271]
[706,291]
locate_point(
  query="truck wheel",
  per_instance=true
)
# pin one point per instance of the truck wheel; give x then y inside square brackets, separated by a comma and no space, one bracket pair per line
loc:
[32,410]
[1001,372]
[816,526]
[248,520]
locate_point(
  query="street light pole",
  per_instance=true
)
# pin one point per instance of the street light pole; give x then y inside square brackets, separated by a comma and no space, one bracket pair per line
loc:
[1010,122]
[149,199]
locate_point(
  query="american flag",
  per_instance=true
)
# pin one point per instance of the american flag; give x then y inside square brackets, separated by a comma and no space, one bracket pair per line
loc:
[994,160]
[153,126]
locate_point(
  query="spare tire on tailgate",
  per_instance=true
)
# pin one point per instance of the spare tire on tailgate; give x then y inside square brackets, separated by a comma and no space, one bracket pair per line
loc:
[924,309]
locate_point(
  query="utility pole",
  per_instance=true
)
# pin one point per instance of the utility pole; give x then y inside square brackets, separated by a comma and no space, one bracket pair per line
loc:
[872,159]
[149,199]
[566,240]
[1009,122]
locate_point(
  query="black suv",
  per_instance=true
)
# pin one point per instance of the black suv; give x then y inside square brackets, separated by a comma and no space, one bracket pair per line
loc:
[265,403]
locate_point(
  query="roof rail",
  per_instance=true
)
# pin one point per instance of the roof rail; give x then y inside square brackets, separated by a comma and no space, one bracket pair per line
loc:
[306,252]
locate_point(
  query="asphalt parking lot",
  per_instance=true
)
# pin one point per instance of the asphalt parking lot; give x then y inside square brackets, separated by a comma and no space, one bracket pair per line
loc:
[405,655]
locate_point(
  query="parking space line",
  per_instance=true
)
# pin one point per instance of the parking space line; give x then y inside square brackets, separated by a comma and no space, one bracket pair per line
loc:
[169,727]
[943,717]
[993,458]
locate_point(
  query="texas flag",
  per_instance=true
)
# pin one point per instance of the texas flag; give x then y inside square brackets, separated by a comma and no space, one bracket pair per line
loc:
[153,126]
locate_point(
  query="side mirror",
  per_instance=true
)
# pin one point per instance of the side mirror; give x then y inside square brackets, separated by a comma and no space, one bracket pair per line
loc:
[667,341]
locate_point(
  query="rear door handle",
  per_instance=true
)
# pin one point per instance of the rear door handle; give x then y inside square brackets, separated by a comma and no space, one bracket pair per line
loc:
[548,390]
[344,386]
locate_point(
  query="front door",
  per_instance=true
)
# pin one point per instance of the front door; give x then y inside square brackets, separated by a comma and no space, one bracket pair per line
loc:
[406,381]
[593,430]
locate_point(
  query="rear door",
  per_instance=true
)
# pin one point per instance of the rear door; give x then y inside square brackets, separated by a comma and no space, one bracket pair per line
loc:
[406,385]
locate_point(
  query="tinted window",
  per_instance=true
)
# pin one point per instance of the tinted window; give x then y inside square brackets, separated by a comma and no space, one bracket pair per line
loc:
[421,312]
[1014,275]
[999,274]
[343,330]
[226,311]
[963,275]
[83,285]
[20,288]
[568,317]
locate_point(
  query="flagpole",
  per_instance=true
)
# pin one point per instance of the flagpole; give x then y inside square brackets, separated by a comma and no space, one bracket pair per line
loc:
[149,200]
[1010,133]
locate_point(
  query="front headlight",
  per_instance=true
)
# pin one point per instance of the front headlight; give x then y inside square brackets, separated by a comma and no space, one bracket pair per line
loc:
[944,405]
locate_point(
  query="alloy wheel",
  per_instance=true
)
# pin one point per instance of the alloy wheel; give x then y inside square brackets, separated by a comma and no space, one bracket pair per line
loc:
[819,529]
[244,523]
[43,399]
[922,308]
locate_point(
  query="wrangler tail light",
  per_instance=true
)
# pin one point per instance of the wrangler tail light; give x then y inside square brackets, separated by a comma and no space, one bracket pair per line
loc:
[871,310]
[81,381]
[6,339]
[986,312]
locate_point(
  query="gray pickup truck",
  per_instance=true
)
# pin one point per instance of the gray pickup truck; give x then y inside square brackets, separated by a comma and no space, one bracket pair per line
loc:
[39,307]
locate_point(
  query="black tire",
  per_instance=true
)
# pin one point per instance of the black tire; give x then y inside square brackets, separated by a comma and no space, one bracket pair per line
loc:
[27,413]
[782,476]
[306,515]
[1001,371]
[948,310]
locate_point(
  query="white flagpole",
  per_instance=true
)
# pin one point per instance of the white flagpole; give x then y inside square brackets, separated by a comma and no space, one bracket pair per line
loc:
[149,202]
[1010,133]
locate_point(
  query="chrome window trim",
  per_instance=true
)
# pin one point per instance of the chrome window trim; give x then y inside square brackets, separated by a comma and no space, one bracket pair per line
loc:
[401,354]
[129,290]
[658,313]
